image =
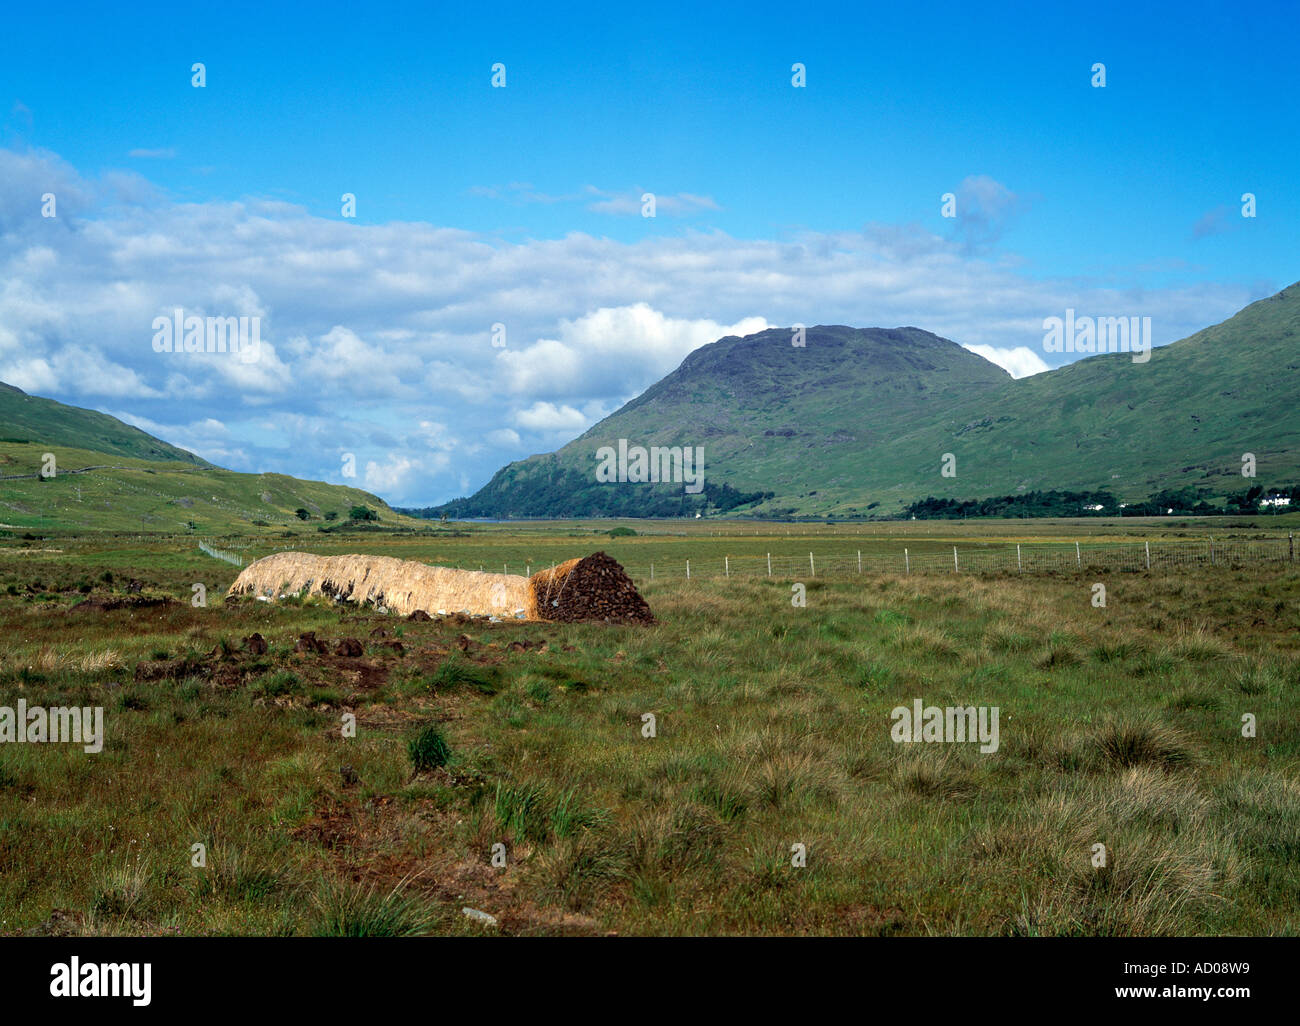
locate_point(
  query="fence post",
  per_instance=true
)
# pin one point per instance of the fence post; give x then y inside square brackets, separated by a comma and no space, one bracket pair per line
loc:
[812,567]
[859,561]
[954,560]
[769,564]
[1291,540]
[726,565]
[907,562]
[652,571]
[1078,559]
[1148,545]
[688,569]
[1211,550]
[1019,566]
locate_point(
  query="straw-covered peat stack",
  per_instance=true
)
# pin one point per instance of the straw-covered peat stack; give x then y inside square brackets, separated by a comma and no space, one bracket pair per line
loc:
[595,588]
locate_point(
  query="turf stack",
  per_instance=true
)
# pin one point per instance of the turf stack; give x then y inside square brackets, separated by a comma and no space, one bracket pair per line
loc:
[594,588]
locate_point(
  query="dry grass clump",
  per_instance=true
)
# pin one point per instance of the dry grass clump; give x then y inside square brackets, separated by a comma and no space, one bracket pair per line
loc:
[1143,741]
[1165,857]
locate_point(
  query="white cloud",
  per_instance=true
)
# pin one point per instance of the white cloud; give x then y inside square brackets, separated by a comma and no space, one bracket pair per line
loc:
[630,204]
[546,416]
[613,350]
[392,476]
[985,207]
[1019,362]
[507,438]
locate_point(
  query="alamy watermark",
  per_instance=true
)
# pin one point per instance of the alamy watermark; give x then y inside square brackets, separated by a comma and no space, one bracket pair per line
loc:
[1072,334]
[952,725]
[61,724]
[193,334]
[76,979]
[659,463]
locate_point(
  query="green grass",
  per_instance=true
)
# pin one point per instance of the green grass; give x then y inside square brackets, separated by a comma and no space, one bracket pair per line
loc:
[1119,726]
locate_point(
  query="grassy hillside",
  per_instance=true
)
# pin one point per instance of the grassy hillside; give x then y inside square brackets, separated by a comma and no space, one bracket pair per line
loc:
[162,496]
[858,421]
[29,418]
[770,416]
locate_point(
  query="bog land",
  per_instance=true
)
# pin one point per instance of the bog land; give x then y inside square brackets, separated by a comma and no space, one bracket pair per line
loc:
[731,769]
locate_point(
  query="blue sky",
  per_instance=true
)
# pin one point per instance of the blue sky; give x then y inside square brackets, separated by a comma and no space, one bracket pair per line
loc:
[521,205]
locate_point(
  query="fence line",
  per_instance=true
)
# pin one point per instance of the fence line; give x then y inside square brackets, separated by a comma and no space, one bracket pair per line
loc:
[1022,558]
[1134,557]
[229,557]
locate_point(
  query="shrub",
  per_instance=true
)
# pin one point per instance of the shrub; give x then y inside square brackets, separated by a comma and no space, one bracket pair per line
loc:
[428,749]
[271,685]
[453,673]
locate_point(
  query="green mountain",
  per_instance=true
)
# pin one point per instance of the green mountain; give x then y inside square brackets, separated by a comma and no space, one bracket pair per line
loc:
[29,418]
[858,422]
[110,476]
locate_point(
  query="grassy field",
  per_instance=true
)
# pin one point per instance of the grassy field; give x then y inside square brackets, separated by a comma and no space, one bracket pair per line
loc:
[1119,726]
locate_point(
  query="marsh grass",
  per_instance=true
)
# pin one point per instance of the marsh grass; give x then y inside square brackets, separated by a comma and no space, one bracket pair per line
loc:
[1120,726]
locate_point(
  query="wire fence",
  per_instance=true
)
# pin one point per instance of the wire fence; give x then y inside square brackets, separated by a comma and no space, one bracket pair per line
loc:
[229,557]
[996,558]
[1041,557]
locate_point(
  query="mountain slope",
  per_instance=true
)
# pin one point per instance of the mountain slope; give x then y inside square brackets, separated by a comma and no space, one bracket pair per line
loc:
[860,420]
[110,476]
[29,418]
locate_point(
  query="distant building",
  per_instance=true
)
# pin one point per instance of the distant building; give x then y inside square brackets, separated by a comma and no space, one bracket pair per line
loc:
[1276,500]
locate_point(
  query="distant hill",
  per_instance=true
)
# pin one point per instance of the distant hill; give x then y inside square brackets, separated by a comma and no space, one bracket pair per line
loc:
[29,418]
[857,422]
[111,476]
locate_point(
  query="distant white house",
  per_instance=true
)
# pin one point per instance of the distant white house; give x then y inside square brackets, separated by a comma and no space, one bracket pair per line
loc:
[1276,500]
[1095,508]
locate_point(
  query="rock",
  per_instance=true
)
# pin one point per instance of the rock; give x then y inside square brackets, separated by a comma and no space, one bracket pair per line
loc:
[350,647]
[420,616]
[67,923]
[379,632]
[479,917]
[255,644]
